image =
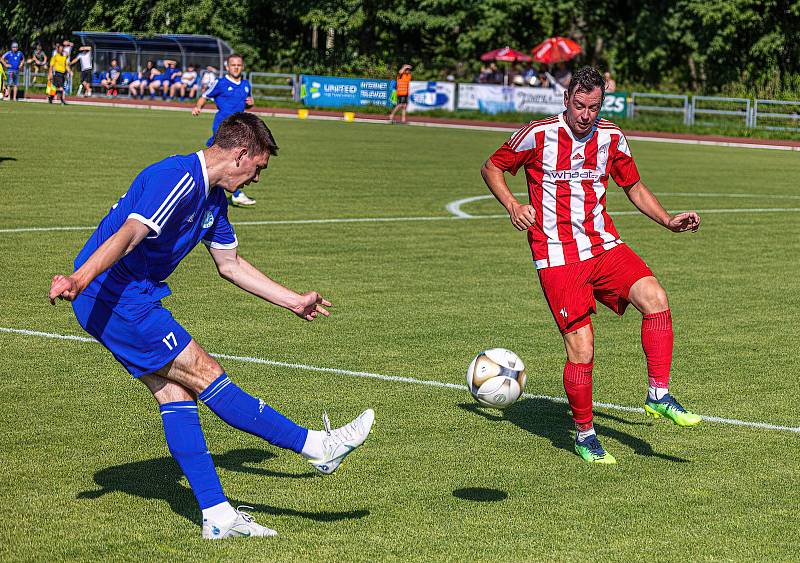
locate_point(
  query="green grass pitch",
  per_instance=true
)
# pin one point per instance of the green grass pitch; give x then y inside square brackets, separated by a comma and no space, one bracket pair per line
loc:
[85,470]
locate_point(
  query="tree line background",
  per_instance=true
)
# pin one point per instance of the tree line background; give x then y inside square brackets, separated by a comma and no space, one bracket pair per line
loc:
[706,46]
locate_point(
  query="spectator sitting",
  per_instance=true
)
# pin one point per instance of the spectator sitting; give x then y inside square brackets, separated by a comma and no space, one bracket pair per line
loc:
[140,81]
[111,79]
[529,75]
[157,80]
[38,62]
[563,75]
[496,77]
[485,75]
[187,80]
[611,86]
[544,80]
[170,75]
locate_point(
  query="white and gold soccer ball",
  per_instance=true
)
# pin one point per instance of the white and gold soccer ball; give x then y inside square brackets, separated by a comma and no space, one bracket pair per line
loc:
[496,378]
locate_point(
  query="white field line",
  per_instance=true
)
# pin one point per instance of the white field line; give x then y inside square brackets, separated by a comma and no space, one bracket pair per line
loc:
[409,380]
[465,126]
[454,207]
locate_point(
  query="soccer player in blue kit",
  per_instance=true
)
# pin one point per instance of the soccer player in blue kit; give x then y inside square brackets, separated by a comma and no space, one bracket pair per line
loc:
[231,94]
[116,291]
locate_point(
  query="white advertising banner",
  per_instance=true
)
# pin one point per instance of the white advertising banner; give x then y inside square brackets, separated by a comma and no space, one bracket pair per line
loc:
[425,96]
[539,100]
[489,98]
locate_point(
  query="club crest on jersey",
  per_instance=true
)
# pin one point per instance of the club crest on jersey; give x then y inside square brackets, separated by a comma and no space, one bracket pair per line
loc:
[567,175]
[208,220]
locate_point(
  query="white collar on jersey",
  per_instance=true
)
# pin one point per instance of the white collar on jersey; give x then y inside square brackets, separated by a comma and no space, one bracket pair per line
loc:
[237,82]
[571,134]
[202,158]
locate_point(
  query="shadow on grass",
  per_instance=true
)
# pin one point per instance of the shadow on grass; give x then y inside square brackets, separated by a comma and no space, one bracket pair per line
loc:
[4,158]
[551,420]
[480,494]
[159,479]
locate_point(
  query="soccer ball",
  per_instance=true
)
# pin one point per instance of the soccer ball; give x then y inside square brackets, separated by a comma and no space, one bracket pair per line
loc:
[496,378]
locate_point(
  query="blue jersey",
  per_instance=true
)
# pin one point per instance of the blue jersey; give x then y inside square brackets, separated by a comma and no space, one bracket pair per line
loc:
[173,198]
[14,60]
[229,96]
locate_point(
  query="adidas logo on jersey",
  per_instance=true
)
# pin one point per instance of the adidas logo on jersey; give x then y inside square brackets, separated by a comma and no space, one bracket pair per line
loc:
[578,156]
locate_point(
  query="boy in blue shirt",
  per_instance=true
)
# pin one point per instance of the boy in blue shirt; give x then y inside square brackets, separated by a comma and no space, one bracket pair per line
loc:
[231,94]
[116,291]
[14,61]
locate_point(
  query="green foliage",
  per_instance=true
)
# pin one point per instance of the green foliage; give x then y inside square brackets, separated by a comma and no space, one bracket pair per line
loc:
[703,46]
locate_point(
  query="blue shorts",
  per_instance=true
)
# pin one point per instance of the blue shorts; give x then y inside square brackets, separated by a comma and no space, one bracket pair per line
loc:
[142,336]
[13,78]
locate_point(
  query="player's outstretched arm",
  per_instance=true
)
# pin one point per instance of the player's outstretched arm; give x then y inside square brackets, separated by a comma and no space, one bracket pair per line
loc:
[646,202]
[522,216]
[198,107]
[131,233]
[242,274]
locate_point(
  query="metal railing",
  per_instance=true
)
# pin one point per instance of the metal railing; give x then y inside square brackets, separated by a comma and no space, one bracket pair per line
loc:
[773,118]
[726,107]
[274,85]
[662,103]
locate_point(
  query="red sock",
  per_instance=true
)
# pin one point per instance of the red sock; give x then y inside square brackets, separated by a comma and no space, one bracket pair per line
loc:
[578,385]
[657,341]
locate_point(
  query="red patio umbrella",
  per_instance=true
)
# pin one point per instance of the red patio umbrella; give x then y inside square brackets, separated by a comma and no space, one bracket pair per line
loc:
[555,50]
[506,55]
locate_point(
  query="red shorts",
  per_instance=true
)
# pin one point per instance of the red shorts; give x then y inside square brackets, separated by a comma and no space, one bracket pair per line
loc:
[571,289]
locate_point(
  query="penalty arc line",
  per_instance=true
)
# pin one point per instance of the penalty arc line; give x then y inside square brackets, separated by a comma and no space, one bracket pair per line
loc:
[410,380]
[454,207]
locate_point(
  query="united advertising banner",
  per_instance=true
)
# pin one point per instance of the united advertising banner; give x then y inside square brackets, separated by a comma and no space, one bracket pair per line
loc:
[329,91]
[425,96]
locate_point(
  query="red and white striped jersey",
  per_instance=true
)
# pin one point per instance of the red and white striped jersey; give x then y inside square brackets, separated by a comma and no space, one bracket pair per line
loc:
[567,181]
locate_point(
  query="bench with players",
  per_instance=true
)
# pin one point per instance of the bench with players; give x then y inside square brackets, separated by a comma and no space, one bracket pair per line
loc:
[164,80]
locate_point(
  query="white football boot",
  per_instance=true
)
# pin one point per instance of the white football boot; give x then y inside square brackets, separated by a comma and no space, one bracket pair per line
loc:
[340,442]
[242,200]
[242,527]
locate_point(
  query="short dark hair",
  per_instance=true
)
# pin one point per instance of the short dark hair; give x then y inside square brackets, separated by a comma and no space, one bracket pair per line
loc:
[587,79]
[248,131]
[235,56]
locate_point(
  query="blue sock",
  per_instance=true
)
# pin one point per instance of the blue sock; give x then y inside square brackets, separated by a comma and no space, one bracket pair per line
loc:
[188,446]
[237,193]
[252,415]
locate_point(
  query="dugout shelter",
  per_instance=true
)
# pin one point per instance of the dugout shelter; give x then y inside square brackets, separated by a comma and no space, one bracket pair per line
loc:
[133,50]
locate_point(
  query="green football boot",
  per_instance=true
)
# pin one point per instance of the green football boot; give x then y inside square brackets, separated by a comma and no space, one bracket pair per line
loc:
[669,408]
[591,450]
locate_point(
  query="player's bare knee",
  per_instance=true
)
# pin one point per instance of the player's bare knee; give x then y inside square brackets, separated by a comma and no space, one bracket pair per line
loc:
[580,345]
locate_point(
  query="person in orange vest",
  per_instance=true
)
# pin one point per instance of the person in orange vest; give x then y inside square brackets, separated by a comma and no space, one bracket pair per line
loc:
[403,83]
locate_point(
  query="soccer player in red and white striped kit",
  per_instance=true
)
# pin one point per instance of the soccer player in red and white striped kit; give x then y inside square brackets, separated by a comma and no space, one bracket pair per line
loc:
[577,251]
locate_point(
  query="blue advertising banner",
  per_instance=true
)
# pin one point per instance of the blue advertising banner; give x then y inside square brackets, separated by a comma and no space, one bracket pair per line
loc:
[425,96]
[329,91]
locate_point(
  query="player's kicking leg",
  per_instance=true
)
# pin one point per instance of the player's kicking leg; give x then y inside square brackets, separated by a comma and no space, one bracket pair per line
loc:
[649,297]
[578,386]
[187,444]
[325,450]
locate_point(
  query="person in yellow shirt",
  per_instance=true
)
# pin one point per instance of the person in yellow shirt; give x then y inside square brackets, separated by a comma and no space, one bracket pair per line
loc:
[403,83]
[57,73]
